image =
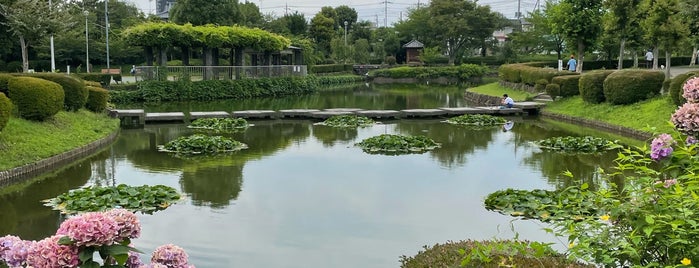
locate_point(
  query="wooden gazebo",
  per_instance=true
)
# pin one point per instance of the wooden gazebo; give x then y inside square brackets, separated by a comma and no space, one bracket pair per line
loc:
[412,51]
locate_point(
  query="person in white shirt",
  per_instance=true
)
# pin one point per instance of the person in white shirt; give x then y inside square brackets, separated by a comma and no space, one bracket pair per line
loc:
[507,101]
[649,59]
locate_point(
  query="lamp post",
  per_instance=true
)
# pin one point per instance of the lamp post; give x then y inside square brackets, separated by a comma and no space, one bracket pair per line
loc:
[345,33]
[53,58]
[106,29]
[87,46]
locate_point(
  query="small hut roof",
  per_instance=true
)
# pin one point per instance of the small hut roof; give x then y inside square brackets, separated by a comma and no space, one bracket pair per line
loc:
[414,44]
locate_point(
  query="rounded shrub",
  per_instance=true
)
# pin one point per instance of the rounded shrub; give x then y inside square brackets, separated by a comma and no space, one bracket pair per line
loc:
[3,82]
[5,110]
[35,98]
[591,85]
[568,83]
[675,88]
[97,99]
[540,85]
[74,88]
[632,85]
[486,254]
[553,90]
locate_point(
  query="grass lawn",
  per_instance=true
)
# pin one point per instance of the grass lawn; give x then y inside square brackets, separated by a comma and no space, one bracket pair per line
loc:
[495,89]
[23,141]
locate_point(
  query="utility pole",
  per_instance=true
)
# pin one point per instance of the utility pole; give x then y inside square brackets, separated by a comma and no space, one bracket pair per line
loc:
[53,58]
[286,8]
[385,13]
[106,28]
[519,9]
[377,20]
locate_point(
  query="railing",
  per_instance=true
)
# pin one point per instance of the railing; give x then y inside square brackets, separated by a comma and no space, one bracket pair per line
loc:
[195,73]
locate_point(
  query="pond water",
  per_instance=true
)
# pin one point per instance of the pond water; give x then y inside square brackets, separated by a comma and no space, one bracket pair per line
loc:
[303,195]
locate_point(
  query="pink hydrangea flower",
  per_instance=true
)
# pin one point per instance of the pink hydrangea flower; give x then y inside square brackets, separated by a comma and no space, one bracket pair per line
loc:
[14,251]
[661,147]
[134,260]
[691,140]
[47,253]
[127,222]
[669,183]
[686,119]
[171,256]
[90,229]
[691,90]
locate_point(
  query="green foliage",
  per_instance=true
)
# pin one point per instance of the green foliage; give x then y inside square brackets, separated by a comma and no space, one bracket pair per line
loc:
[35,99]
[568,85]
[97,99]
[5,110]
[540,85]
[496,90]
[74,88]
[631,86]
[541,205]
[579,22]
[397,144]
[463,72]
[477,120]
[553,90]
[331,68]
[592,86]
[339,79]
[489,254]
[675,89]
[348,121]
[220,124]
[586,144]
[202,144]
[146,199]
[103,79]
[528,73]
[4,78]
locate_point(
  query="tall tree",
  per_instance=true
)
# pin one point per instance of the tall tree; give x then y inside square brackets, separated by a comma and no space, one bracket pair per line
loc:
[690,9]
[538,37]
[664,25]
[297,24]
[329,12]
[250,14]
[623,22]
[345,13]
[417,27]
[322,31]
[201,12]
[580,22]
[31,20]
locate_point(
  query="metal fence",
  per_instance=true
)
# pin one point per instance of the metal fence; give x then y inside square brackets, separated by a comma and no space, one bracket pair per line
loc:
[196,73]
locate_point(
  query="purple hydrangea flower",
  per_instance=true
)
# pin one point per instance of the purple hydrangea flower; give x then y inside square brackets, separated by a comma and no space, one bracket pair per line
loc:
[90,229]
[171,256]
[691,90]
[661,147]
[47,253]
[686,119]
[134,260]
[127,222]
[691,140]
[14,251]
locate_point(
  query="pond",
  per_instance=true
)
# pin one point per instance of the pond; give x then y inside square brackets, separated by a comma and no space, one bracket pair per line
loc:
[303,195]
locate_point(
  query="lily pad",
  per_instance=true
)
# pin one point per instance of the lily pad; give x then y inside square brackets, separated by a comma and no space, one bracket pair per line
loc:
[585,144]
[477,120]
[202,144]
[397,144]
[146,199]
[220,124]
[348,121]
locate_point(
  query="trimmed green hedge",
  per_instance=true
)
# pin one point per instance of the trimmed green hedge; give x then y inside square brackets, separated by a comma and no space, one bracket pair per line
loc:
[75,91]
[103,79]
[340,79]
[568,84]
[462,72]
[331,68]
[675,89]
[592,85]
[154,91]
[529,73]
[97,99]
[553,90]
[4,78]
[36,98]
[632,85]
[5,110]
[540,85]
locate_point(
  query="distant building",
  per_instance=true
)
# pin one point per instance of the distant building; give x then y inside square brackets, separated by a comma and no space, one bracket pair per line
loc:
[515,25]
[162,8]
[412,51]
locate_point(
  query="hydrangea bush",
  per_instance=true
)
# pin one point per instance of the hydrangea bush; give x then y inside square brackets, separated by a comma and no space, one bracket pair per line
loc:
[78,239]
[648,207]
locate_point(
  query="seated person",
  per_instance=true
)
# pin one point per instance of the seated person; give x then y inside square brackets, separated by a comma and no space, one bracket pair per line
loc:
[507,101]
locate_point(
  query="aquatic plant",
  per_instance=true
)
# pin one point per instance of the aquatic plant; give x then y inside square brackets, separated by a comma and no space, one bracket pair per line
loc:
[586,144]
[220,124]
[202,144]
[477,120]
[397,144]
[348,121]
[539,204]
[146,198]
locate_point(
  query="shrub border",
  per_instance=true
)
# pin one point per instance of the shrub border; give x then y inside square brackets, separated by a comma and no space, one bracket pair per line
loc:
[55,162]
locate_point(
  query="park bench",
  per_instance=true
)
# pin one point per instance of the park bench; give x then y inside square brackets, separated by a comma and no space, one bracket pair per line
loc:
[116,74]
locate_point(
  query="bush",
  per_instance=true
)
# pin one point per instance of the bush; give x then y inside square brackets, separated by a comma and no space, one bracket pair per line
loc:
[540,85]
[510,72]
[3,82]
[553,90]
[13,67]
[103,79]
[5,110]
[591,86]
[675,88]
[74,88]
[131,87]
[97,99]
[487,254]
[462,72]
[331,68]
[390,60]
[36,99]
[568,85]
[631,86]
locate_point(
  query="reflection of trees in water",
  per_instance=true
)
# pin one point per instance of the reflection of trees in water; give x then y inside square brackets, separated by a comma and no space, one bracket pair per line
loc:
[330,135]
[457,141]
[213,186]
[103,168]
[22,212]
[267,137]
[584,167]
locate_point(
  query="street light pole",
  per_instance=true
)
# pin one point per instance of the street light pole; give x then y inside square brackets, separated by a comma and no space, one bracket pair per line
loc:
[345,33]
[87,46]
[106,29]
[53,58]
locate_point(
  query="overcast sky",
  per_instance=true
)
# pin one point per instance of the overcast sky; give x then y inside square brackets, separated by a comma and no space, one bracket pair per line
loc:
[371,10]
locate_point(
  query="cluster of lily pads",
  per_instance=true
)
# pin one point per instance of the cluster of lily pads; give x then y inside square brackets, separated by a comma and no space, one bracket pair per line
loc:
[397,144]
[477,120]
[202,144]
[585,144]
[348,121]
[145,199]
[542,205]
[220,124]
